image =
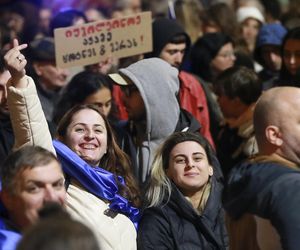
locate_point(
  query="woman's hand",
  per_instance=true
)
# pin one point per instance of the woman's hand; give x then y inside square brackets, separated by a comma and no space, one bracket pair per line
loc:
[15,63]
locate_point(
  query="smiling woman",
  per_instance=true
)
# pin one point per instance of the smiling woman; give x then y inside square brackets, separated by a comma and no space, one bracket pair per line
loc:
[184,197]
[101,191]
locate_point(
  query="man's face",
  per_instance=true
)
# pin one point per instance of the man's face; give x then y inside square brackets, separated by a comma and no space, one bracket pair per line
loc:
[3,92]
[173,53]
[289,126]
[229,106]
[34,187]
[133,102]
[51,76]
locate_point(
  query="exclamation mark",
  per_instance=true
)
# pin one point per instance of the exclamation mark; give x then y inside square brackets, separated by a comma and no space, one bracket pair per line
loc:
[142,38]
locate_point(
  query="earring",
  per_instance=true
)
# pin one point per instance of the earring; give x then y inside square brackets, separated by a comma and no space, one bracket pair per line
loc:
[210,171]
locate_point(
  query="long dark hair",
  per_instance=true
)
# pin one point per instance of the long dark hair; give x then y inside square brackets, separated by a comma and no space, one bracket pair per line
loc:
[286,78]
[79,88]
[115,160]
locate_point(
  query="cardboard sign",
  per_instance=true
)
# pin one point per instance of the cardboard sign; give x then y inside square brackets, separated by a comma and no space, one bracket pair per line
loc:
[94,42]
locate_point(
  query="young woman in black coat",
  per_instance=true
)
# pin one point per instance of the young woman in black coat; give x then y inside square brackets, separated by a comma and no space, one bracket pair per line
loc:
[184,209]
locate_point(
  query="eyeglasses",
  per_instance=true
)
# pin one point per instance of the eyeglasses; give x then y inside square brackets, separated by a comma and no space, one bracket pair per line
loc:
[227,54]
[129,89]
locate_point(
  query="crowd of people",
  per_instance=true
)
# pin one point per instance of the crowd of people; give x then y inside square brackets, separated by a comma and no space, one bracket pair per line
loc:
[192,145]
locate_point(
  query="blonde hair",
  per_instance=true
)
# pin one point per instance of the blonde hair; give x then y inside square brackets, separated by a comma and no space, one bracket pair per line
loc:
[191,22]
[160,187]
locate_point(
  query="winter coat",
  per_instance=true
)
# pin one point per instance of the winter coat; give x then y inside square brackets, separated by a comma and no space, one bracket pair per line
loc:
[6,137]
[112,232]
[175,225]
[270,191]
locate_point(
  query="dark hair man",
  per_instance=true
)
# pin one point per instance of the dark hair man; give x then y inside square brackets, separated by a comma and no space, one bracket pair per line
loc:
[171,43]
[31,177]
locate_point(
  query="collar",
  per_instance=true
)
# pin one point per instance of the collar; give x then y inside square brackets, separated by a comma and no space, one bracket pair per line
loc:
[276,159]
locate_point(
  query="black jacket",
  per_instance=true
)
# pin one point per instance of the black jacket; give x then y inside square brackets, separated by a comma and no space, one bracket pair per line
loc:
[6,137]
[176,225]
[271,191]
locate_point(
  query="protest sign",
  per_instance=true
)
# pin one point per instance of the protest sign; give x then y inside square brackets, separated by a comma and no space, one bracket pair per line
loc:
[94,42]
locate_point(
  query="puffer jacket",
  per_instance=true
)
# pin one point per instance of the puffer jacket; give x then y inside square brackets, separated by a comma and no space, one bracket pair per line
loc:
[30,127]
[176,225]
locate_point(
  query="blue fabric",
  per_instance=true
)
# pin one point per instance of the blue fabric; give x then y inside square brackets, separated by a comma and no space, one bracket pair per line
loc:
[8,239]
[95,180]
[271,34]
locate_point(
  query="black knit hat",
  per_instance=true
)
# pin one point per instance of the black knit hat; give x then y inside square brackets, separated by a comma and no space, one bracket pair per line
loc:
[204,51]
[42,49]
[163,30]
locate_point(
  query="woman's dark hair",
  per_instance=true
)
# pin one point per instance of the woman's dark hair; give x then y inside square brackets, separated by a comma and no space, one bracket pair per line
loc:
[286,78]
[241,82]
[115,160]
[65,18]
[179,137]
[79,88]
[204,51]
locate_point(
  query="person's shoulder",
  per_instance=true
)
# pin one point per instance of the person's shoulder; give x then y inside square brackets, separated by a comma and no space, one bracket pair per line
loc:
[8,238]
[187,76]
[155,217]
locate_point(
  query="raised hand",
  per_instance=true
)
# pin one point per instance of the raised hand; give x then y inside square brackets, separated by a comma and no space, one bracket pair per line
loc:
[15,61]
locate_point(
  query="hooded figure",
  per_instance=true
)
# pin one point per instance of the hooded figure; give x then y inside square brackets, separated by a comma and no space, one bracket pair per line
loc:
[171,43]
[205,49]
[158,84]
[267,52]
[163,30]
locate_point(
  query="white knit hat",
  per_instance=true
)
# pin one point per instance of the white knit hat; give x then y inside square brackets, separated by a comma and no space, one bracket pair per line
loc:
[246,12]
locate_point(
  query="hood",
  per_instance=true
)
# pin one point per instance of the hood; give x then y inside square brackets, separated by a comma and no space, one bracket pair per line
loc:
[158,84]
[269,34]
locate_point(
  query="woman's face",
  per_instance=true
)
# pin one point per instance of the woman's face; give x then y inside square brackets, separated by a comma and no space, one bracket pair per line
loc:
[291,55]
[224,59]
[250,29]
[188,167]
[102,98]
[87,136]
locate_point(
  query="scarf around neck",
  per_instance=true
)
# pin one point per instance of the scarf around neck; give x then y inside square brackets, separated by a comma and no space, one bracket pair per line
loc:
[96,180]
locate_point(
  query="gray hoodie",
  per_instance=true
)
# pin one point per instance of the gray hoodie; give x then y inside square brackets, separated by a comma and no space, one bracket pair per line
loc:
[158,84]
